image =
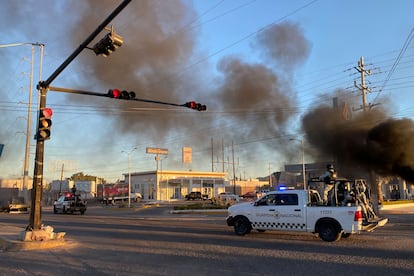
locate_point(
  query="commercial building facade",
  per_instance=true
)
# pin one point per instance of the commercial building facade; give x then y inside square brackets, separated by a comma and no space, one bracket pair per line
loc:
[175,185]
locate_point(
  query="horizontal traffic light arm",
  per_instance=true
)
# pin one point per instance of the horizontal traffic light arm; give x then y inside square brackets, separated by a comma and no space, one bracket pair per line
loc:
[192,105]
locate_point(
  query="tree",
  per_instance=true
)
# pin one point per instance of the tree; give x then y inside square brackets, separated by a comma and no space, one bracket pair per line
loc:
[80,176]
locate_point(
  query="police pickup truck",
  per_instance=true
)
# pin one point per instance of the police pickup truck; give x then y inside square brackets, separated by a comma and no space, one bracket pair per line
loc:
[69,203]
[301,211]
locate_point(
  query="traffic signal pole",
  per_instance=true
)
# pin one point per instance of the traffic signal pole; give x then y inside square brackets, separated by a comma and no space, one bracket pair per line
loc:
[35,222]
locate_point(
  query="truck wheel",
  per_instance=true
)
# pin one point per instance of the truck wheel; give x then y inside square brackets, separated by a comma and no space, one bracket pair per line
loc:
[82,212]
[242,226]
[329,232]
[63,210]
[54,210]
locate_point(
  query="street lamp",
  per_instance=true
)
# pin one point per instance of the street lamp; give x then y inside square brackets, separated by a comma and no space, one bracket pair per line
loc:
[29,111]
[303,161]
[129,175]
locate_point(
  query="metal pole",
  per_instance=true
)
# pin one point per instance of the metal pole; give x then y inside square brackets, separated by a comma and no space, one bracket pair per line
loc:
[129,180]
[129,175]
[303,166]
[29,113]
[35,222]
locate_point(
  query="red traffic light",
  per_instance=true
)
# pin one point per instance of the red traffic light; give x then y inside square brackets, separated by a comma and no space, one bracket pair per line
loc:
[118,94]
[194,105]
[44,124]
[191,104]
[114,93]
[47,112]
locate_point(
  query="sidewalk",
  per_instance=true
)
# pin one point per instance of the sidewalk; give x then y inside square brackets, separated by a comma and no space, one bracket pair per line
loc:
[395,206]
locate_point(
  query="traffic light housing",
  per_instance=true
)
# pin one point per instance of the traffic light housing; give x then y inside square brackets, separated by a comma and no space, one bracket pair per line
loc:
[108,44]
[44,124]
[123,95]
[194,105]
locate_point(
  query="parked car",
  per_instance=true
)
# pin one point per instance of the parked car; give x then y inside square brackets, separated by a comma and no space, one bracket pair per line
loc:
[227,196]
[250,195]
[196,196]
[15,205]
[136,197]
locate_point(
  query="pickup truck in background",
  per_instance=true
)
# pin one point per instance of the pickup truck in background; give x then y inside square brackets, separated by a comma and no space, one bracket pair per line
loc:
[69,203]
[301,211]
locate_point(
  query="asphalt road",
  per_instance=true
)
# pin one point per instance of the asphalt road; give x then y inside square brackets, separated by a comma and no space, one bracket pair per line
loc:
[152,241]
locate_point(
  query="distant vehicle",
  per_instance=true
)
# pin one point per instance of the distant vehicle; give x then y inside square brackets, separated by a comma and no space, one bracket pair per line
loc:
[17,205]
[196,196]
[113,193]
[250,195]
[69,203]
[136,196]
[227,196]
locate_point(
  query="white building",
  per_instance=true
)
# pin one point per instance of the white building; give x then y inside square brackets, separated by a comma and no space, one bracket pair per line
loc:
[86,188]
[175,185]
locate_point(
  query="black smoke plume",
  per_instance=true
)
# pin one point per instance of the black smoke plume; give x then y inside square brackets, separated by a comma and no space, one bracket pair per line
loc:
[160,60]
[366,141]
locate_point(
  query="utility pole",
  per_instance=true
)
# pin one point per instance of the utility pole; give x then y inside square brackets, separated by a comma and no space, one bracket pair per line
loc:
[212,155]
[270,176]
[375,189]
[29,109]
[362,87]
[234,169]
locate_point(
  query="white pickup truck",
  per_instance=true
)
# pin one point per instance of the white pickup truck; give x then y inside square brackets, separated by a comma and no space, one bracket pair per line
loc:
[301,211]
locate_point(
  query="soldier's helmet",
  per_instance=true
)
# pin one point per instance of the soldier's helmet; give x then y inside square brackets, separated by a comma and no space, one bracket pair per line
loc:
[330,168]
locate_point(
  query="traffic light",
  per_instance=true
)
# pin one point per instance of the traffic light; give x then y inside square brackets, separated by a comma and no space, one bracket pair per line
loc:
[194,105]
[108,44]
[191,105]
[44,124]
[118,94]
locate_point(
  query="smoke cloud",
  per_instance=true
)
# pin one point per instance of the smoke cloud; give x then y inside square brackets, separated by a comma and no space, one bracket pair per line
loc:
[246,100]
[368,140]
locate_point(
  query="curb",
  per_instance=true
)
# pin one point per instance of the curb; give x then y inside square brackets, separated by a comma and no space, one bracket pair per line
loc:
[208,211]
[10,240]
[13,245]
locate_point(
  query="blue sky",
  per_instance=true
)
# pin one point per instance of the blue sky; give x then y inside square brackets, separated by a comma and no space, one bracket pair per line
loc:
[204,40]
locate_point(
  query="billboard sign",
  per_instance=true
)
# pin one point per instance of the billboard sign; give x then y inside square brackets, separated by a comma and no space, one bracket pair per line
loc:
[157,151]
[187,155]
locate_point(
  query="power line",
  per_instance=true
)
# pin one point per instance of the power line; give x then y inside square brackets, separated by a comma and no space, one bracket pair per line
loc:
[397,61]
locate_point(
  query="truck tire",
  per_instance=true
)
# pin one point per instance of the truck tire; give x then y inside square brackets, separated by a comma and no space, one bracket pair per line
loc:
[63,210]
[82,212]
[329,231]
[54,210]
[242,226]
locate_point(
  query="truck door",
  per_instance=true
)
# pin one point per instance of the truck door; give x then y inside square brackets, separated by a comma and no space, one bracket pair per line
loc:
[279,212]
